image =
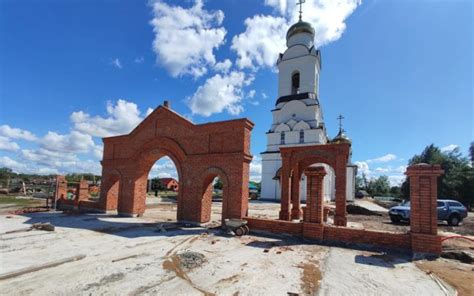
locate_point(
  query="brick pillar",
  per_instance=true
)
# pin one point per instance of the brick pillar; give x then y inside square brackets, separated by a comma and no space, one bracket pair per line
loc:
[340,218]
[83,190]
[295,194]
[285,189]
[423,209]
[314,194]
[61,187]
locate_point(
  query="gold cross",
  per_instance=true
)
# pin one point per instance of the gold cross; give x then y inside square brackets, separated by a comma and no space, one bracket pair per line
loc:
[340,118]
[300,3]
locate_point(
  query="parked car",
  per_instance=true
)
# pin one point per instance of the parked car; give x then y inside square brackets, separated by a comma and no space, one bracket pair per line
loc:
[253,194]
[448,210]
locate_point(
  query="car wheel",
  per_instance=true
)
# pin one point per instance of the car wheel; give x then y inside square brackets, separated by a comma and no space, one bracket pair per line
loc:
[395,220]
[453,220]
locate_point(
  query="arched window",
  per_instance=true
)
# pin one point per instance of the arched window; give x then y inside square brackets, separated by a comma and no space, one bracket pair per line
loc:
[282,138]
[301,136]
[295,83]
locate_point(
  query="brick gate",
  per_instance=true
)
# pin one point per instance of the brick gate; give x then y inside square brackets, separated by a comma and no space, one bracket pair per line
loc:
[423,235]
[200,153]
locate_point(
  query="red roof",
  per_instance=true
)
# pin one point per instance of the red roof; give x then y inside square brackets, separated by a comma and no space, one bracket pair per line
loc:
[166,181]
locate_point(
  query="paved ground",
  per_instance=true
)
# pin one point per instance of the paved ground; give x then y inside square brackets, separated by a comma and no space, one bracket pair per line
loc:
[133,256]
[370,206]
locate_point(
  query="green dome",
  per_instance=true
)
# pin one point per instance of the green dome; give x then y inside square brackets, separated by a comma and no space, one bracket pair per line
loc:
[300,27]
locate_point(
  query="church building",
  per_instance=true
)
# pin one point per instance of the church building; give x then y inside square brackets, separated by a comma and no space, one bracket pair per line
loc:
[298,117]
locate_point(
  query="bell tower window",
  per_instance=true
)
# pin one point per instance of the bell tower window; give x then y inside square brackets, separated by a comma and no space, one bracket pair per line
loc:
[301,136]
[295,83]
[282,138]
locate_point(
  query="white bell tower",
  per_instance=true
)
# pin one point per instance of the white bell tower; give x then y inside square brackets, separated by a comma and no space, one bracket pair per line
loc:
[297,116]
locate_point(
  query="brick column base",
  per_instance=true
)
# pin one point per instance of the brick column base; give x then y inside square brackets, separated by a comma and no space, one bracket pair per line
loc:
[296,214]
[425,243]
[340,221]
[284,215]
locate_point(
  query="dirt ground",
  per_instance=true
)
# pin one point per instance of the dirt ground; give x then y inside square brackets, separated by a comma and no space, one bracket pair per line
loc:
[456,274]
[383,223]
[152,255]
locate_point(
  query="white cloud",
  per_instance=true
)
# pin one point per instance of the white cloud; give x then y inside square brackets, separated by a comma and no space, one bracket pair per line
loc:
[264,96]
[382,170]
[72,142]
[219,93]
[16,133]
[223,67]
[139,60]
[185,39]
[116,63]
[47,157]
[21,167]
[449,148]
[262,41]
[122,118]
[396,180]
[264,36]
[8,145]
[98,151]
[251,94]
[163,168]
[363,167]
[386,158]
[43,161]
[326,16]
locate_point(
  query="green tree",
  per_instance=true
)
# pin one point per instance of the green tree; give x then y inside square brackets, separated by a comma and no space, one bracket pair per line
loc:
[6,173]
[379,186]
[395,191]
[359,183]
[457,182]
[218,184]
[471,153]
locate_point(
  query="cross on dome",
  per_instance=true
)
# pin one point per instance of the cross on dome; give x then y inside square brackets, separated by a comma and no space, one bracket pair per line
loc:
[340,118]
[300,3]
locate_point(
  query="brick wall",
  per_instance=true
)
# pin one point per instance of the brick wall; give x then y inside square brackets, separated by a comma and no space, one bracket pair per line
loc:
[360,236]
[275,226]
[200,153]
[421,238]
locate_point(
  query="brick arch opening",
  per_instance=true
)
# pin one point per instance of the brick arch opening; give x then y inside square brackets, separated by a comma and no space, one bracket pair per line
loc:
[295,160]
[196,150]
[207,193]
[146,163]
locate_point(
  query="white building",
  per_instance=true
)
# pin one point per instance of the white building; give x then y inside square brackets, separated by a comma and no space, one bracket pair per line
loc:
[298,117]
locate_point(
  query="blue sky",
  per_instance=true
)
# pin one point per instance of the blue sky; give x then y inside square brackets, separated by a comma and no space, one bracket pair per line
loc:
[401,72]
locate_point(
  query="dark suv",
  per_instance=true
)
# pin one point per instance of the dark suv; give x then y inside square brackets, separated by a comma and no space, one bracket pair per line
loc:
[448,210]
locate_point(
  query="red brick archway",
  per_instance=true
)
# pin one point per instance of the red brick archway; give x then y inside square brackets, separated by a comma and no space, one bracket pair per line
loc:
[295,160]
[200,153]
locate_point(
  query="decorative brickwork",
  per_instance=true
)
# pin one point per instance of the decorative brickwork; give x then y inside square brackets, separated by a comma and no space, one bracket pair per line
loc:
[314,199]
[200,153]
[423,209]
[61,187]
[422,237]
[295,160]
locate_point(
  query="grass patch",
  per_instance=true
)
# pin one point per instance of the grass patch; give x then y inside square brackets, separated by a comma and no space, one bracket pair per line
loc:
[4,199]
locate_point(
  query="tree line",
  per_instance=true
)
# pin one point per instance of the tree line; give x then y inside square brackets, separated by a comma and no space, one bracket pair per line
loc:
[457,182]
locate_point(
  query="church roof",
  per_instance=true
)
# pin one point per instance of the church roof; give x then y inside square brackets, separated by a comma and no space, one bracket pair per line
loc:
[300,27]
[301,96]
[341,138]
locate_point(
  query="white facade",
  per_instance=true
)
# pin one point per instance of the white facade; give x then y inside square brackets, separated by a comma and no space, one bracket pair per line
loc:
[297,117]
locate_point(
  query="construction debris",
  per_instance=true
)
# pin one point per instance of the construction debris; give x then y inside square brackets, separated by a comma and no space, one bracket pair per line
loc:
[37,226]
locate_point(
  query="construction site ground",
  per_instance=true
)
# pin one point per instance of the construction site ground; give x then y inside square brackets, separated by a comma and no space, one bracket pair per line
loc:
[98,254]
